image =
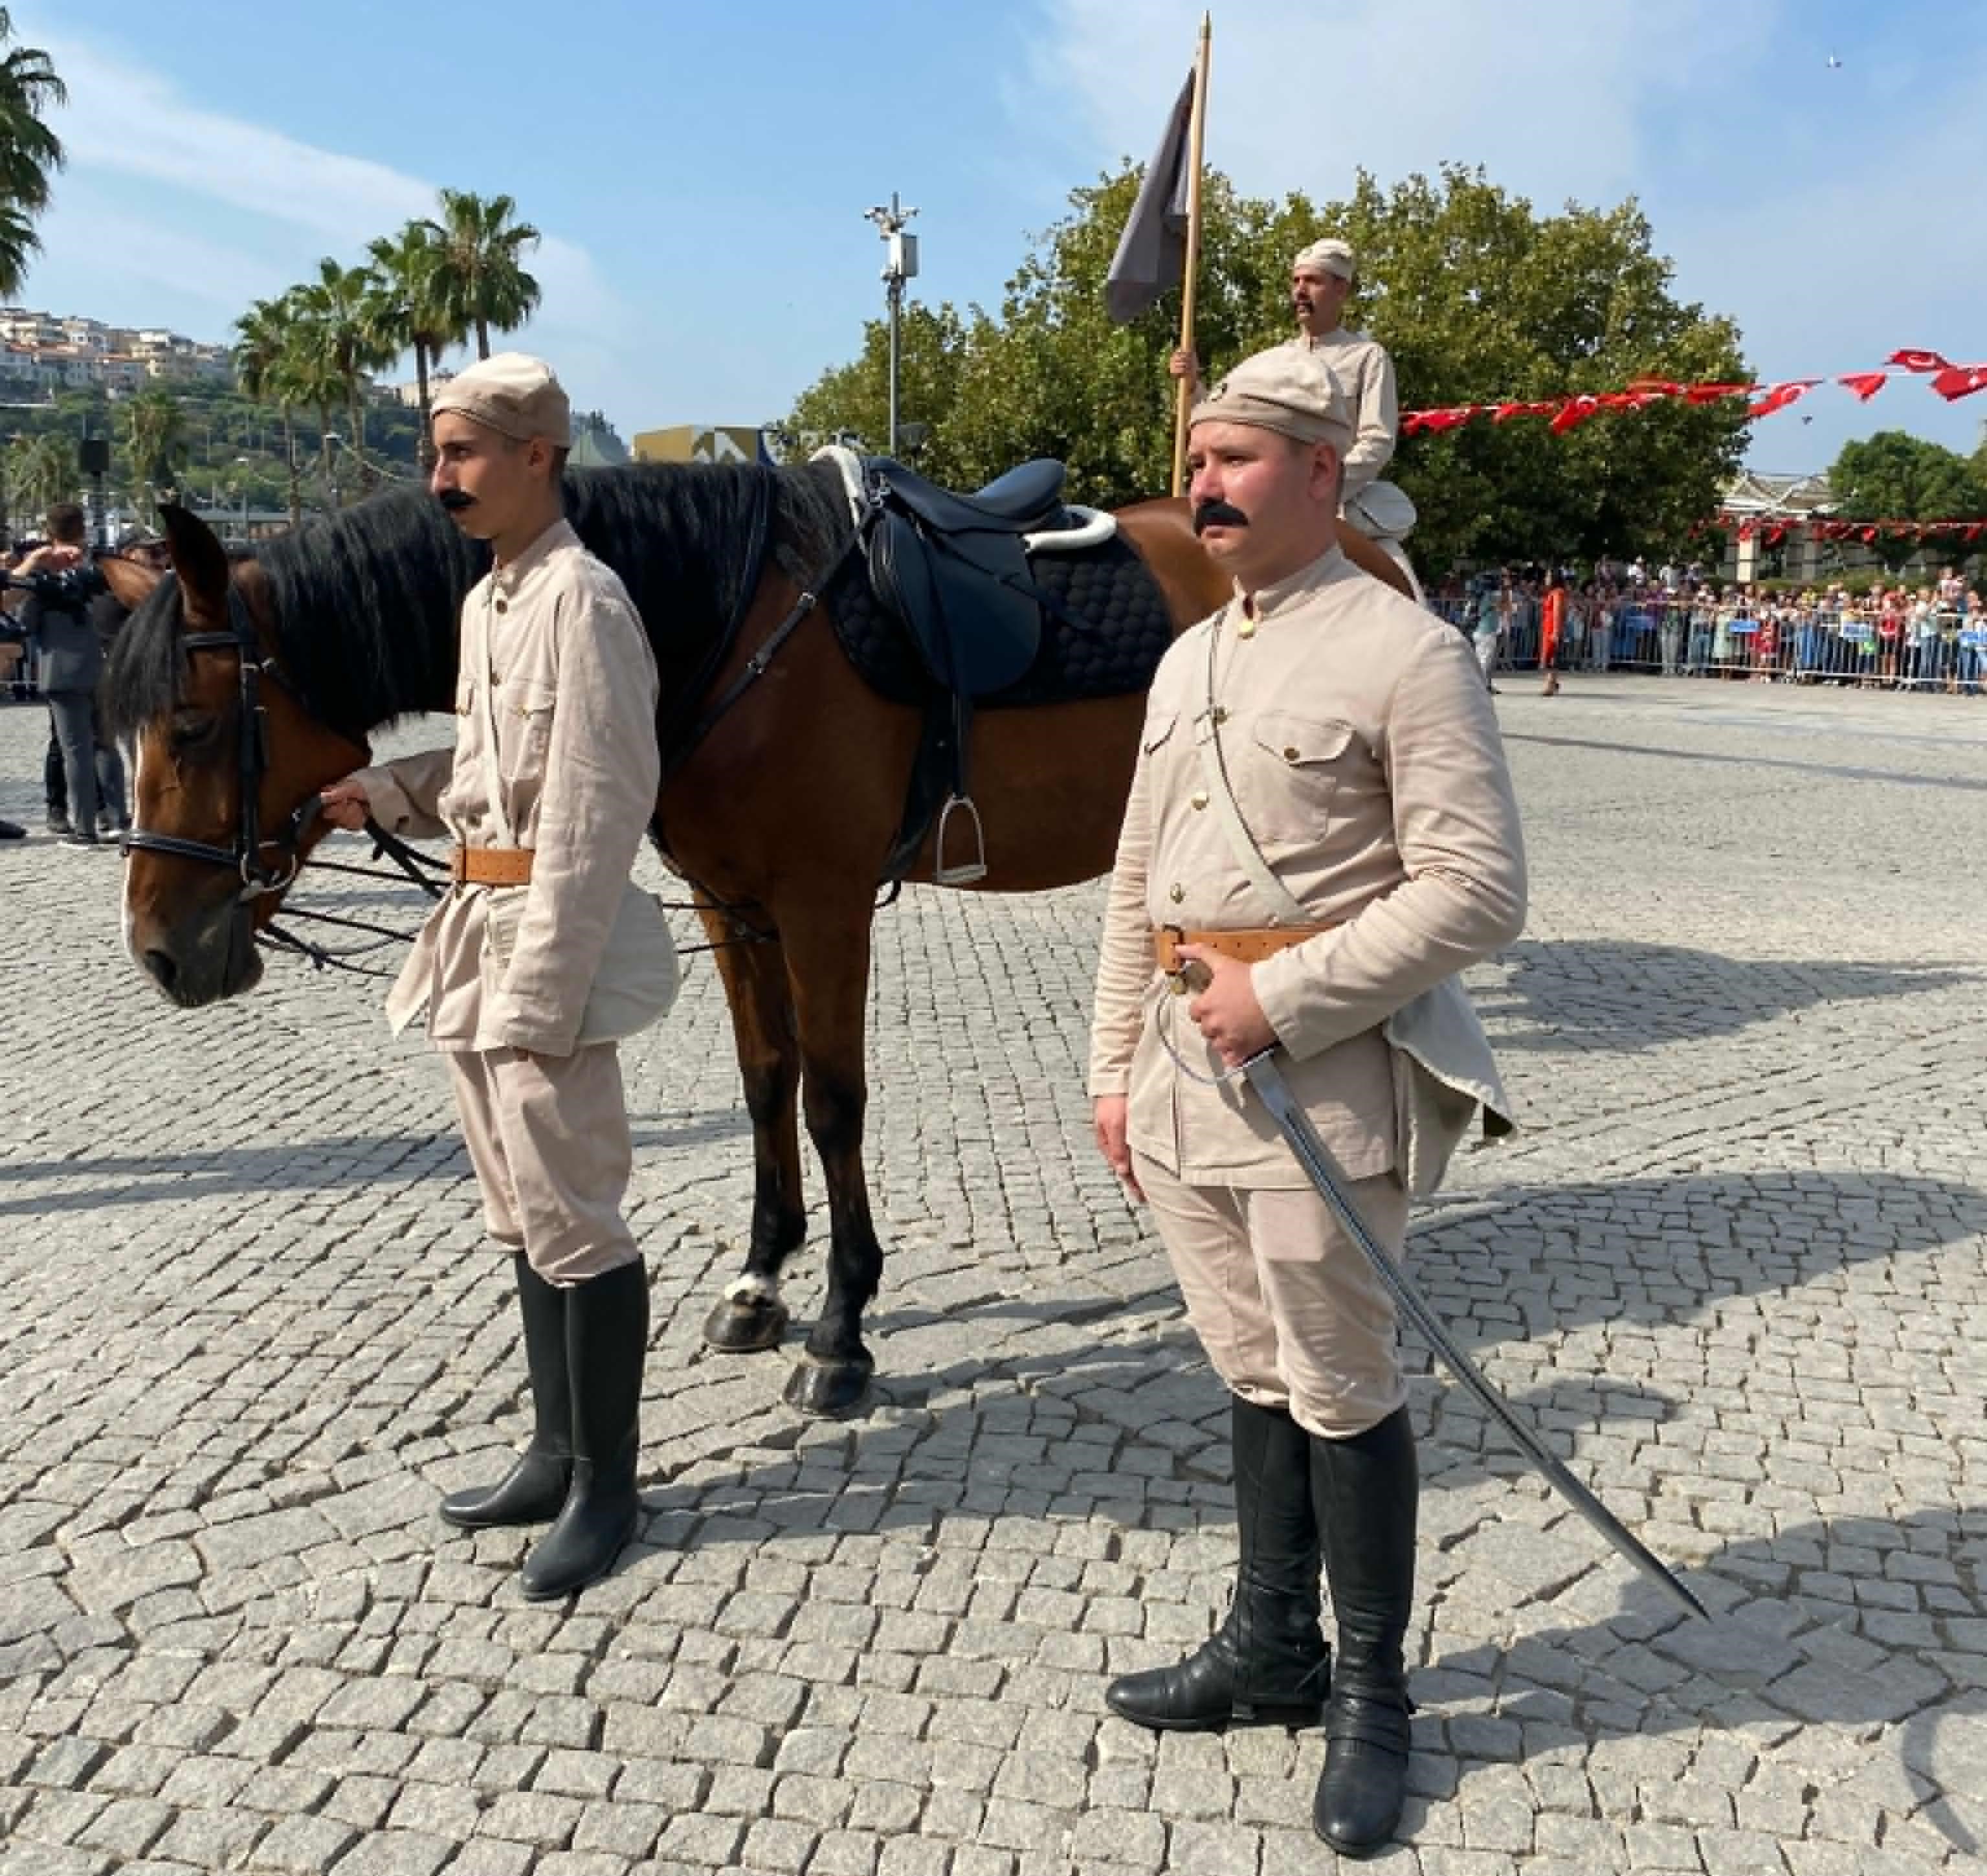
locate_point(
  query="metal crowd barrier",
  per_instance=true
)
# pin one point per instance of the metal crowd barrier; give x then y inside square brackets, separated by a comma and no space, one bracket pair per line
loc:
[1681,640]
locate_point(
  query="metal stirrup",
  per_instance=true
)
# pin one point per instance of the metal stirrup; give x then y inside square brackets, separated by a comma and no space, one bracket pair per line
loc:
[973,870]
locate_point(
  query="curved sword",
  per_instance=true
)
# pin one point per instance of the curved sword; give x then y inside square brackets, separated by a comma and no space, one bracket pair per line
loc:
[1267,1080]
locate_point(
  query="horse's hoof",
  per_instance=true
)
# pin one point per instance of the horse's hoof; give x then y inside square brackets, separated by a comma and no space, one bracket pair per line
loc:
[746,1325]
[830,1388]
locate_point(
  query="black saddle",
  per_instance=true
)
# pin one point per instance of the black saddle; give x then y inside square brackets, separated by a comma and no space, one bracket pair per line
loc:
[952,568]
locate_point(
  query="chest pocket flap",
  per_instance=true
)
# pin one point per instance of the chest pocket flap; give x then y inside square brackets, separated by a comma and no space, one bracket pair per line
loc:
[1301,742]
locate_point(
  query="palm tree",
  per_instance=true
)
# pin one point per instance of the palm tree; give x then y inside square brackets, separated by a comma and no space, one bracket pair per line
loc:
[479,281]
[152,424]
[408,312]
[265,367]
[40,471]
[338,334]
[29,150]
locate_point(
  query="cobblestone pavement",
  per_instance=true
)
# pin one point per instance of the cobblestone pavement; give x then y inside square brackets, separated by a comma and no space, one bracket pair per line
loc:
[1734,1264]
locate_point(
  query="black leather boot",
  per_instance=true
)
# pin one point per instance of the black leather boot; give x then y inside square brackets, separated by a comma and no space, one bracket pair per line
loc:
[1268,1661]
[531,1492]
[1366,1490]
[606,1337]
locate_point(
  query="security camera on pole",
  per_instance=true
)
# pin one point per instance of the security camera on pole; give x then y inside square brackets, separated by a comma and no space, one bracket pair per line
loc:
[902,265]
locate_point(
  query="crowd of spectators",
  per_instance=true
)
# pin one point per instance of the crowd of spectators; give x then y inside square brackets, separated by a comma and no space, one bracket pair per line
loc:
[1678,620]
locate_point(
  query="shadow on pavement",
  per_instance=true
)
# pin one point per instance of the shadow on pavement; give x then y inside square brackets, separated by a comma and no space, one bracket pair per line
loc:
[1569,995]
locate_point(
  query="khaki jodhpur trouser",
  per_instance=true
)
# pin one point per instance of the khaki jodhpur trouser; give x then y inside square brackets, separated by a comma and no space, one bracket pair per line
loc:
[548,1136]
[1290,1312]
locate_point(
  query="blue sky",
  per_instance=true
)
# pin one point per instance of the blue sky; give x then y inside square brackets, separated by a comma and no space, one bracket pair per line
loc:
[701,174]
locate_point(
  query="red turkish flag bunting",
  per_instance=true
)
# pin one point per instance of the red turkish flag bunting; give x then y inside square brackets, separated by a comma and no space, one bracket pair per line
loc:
[1960,381]
[1865,384]
[1780,395]
[1574,413]
[1710,393]
[1547,407]
[1918,361]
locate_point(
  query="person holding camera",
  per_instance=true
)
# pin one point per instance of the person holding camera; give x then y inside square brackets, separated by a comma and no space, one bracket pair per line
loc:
[61,582]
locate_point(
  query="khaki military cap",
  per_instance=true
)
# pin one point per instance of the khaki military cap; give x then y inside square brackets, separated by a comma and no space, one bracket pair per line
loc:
[1330,257]
[512,393]
[1294,393]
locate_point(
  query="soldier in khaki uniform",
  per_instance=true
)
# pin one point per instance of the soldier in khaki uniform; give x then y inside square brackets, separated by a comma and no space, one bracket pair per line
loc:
[550,782]
[1350,732]
[1323,277]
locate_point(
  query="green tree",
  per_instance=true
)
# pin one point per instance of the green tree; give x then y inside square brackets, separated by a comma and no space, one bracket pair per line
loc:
[30,152]
[338,331]
[481,282]
[265,366]
[1479,299]
[855,399]
[154,433]
[1895,475]
[408,311]
[40,471]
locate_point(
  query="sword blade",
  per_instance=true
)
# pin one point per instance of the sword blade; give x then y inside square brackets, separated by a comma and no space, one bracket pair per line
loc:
[1266,1078]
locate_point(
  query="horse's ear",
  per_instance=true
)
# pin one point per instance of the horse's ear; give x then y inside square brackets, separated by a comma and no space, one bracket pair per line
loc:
[130,581]
[198,557]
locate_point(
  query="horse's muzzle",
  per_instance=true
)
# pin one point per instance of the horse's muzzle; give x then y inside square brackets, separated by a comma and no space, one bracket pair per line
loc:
[207,956]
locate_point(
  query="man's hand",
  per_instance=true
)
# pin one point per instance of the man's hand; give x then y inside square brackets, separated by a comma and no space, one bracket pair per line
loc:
[54,557]
[1224,1009]
[1112,1117]
[346,805]
[1185,363]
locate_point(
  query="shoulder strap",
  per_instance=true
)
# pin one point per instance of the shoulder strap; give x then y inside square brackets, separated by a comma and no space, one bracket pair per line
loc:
[493,769]
[1214,771]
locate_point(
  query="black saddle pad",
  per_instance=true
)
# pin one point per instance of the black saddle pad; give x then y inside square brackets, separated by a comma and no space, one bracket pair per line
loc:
[1116,631]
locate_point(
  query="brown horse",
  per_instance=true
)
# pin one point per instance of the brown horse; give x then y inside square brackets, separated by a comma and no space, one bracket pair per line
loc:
[251,685]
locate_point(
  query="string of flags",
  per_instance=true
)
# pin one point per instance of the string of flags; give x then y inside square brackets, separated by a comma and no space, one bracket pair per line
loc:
[1772,532]
[1948,380]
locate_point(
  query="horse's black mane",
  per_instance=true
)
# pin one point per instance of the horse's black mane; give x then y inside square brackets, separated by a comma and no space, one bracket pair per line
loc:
[366,601]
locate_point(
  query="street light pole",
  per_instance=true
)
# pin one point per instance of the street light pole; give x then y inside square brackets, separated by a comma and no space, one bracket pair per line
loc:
[901,265]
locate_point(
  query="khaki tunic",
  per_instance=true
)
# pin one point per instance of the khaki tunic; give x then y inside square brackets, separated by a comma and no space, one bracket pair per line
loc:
[575,692]
[1364,755]
[1361,364]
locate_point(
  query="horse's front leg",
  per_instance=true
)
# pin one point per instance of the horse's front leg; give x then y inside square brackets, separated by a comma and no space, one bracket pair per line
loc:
[828,963]
[750,1315]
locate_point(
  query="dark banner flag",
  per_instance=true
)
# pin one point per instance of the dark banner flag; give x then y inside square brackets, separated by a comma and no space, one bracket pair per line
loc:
[1152,252]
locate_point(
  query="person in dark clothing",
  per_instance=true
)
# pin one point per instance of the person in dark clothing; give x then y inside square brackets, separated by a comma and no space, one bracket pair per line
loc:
[106,616]
[62,582]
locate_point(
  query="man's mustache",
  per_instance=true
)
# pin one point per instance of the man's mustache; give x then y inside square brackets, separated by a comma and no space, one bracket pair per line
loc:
[456,500]
[1208,514]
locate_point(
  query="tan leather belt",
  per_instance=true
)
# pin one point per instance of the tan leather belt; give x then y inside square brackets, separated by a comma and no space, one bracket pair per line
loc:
[1247,945]
[490,866]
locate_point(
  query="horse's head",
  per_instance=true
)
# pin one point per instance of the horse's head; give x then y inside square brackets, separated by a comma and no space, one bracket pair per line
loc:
[230,763]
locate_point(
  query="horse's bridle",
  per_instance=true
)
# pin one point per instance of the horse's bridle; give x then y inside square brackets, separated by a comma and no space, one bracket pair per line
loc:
[259,881]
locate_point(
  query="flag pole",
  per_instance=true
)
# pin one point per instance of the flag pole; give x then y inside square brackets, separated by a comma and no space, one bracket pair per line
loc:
[1184,387]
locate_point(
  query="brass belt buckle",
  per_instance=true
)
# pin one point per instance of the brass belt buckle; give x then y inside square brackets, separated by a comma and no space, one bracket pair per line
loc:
[1190,977]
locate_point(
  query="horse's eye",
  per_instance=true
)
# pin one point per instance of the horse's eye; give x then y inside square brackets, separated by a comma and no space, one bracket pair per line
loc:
[191,728]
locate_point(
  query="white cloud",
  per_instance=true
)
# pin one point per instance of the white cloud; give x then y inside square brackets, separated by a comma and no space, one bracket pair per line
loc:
[289,201]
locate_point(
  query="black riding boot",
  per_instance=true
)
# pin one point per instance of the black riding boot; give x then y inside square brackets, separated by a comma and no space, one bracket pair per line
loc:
[1366,1490]
[531,1492]
[606,1337]
[1268,1661]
